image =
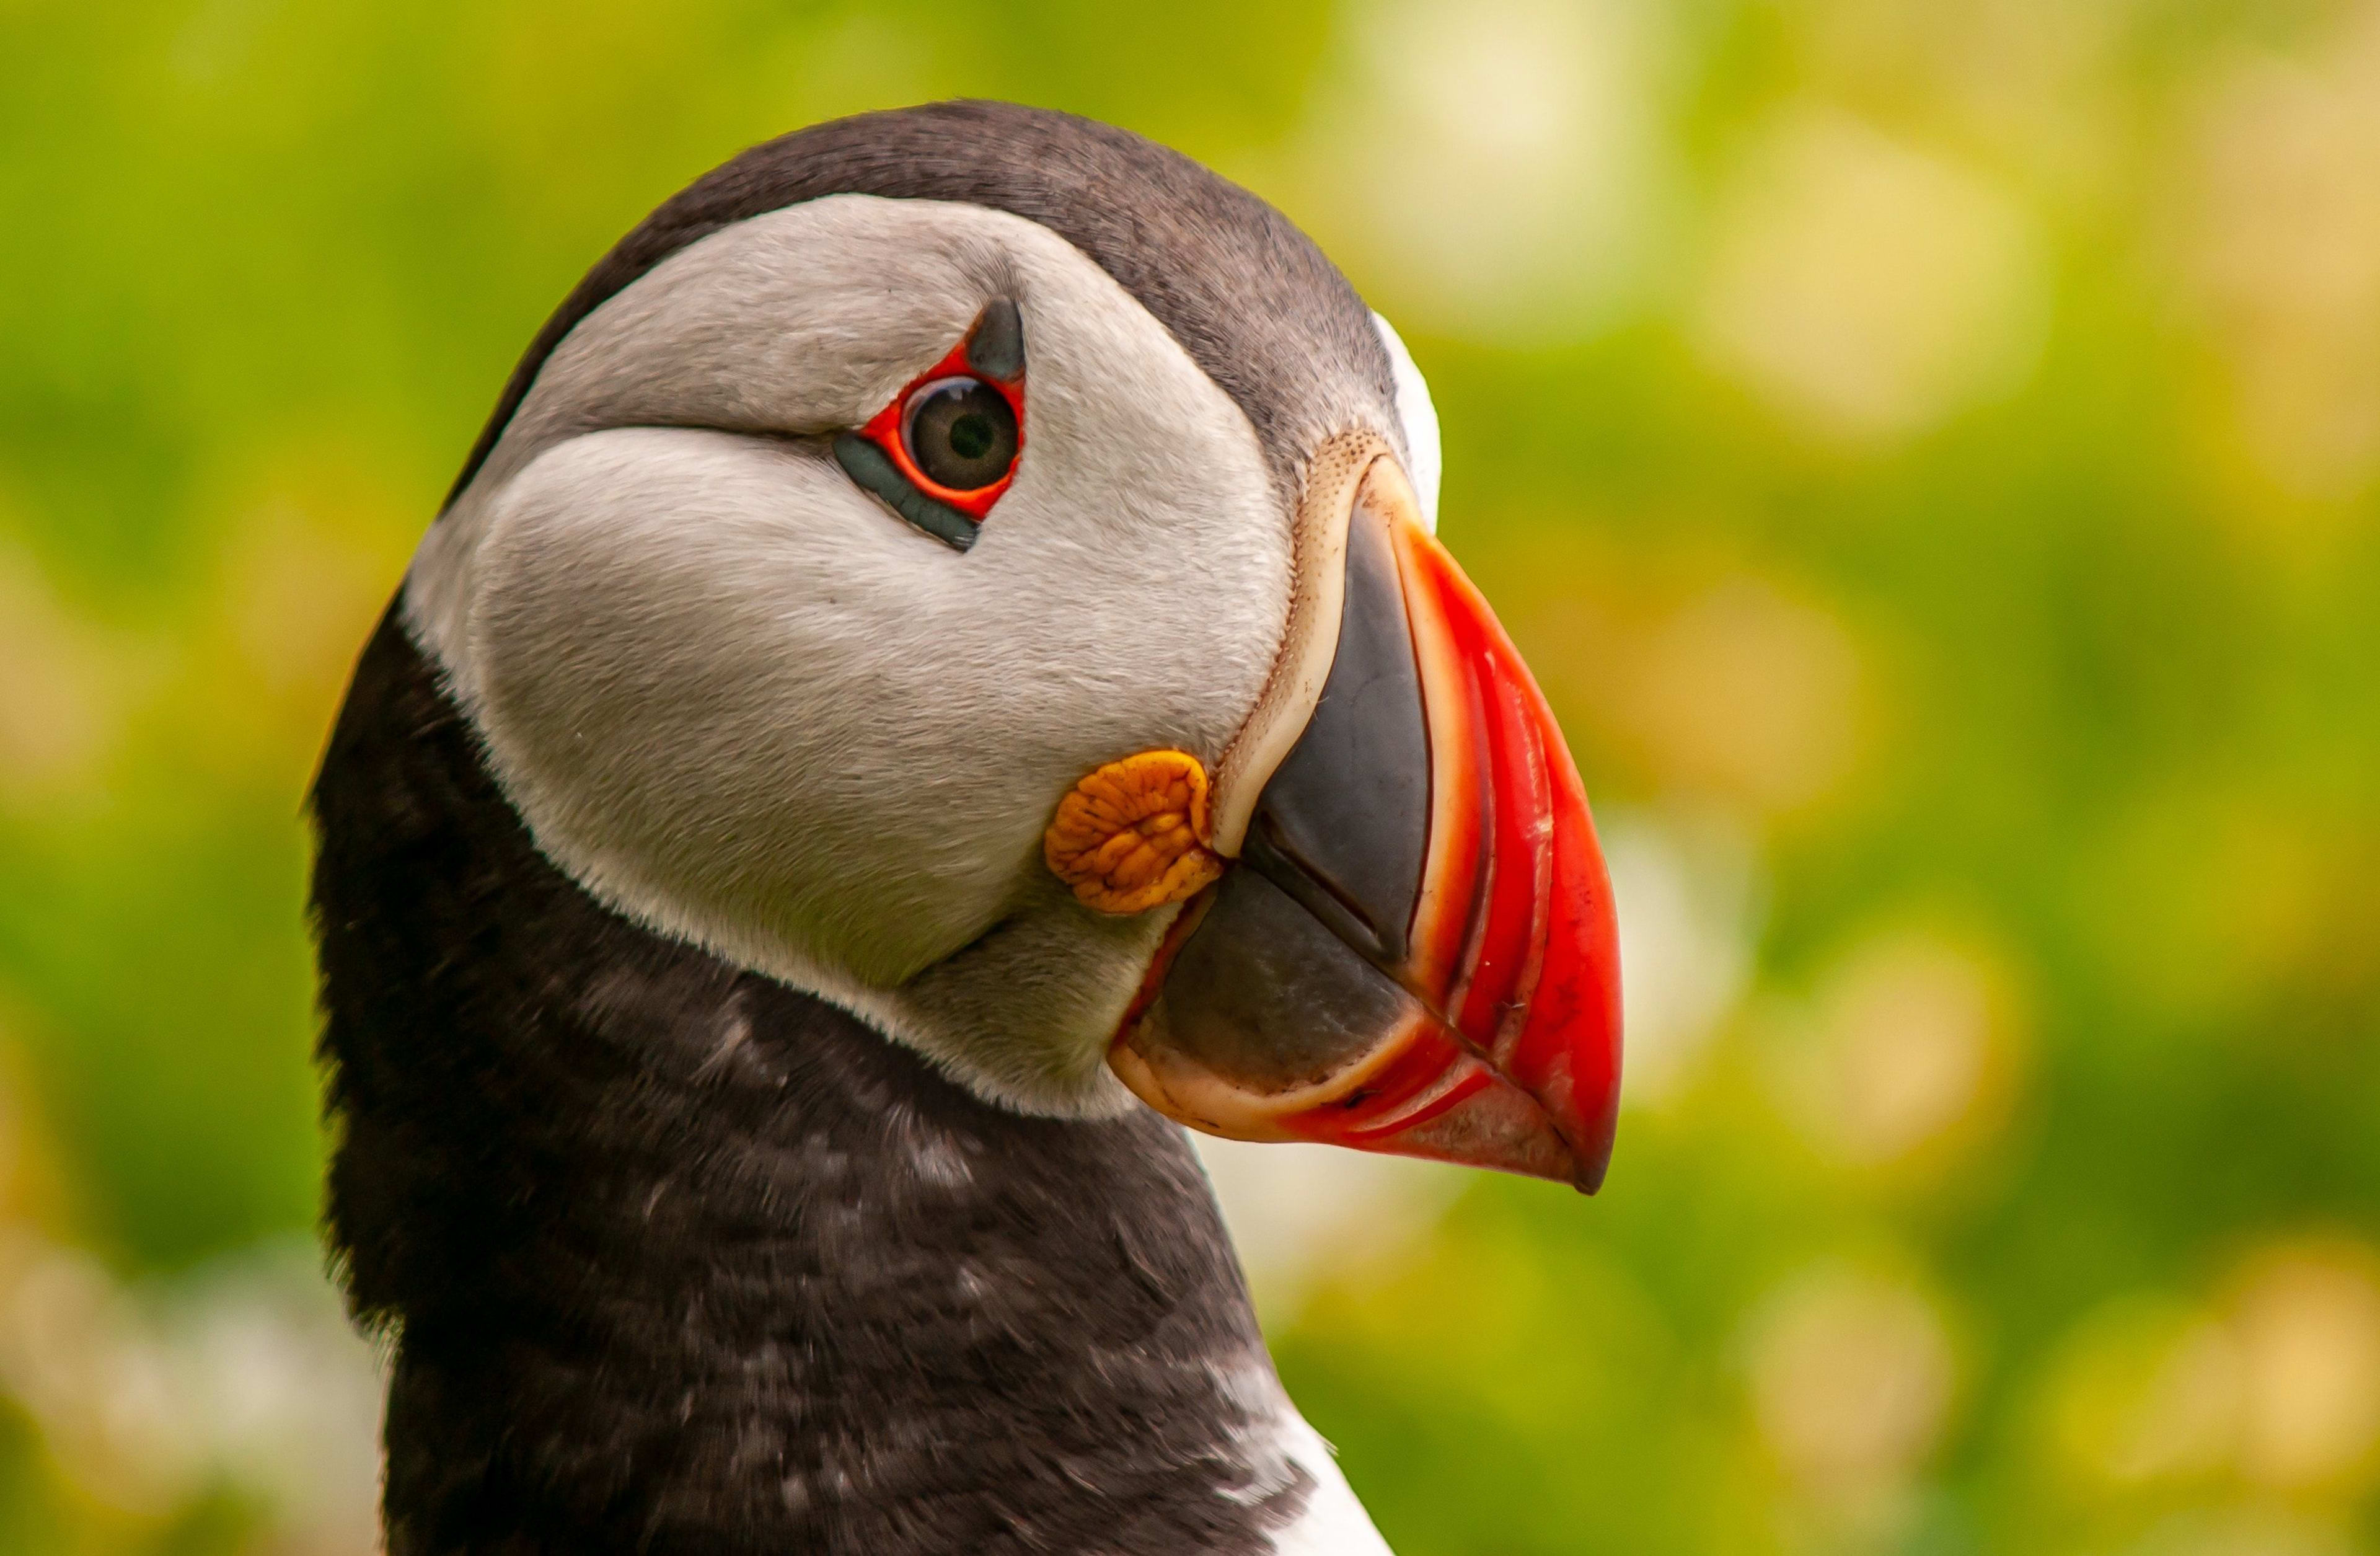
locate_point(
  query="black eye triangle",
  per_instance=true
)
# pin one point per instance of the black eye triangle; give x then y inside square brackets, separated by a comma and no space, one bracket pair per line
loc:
[995,346]
[865,464]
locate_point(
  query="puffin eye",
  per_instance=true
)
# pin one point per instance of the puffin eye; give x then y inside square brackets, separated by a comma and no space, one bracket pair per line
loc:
[960,433]
[945,449]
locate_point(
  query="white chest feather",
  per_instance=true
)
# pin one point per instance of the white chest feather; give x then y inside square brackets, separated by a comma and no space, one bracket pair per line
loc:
[1333,1522]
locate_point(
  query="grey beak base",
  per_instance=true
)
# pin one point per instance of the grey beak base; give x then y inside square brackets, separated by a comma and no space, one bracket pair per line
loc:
[1342,828]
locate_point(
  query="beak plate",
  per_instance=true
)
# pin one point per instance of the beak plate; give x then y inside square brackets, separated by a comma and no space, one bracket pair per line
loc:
[1417,953]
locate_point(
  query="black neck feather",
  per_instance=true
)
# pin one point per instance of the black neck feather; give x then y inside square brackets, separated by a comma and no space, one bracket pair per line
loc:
[679,1259]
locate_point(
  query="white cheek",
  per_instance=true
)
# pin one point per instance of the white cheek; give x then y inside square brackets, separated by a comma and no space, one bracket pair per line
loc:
[708,675]
[739,701]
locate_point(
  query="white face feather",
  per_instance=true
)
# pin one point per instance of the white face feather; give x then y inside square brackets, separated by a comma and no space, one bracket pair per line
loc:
[1419,417]
[740,700]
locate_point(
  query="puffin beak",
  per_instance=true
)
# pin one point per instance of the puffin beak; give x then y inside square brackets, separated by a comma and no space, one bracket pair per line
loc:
[1415,953]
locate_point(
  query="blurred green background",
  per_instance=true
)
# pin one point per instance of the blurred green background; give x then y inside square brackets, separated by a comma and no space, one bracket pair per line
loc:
[1928,452]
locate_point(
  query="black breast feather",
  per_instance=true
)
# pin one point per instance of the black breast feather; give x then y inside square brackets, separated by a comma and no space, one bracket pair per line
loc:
[679,1259]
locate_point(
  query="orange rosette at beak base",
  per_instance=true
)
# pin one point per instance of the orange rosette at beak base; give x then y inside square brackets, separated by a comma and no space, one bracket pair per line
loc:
[1133,834]
[1417,952]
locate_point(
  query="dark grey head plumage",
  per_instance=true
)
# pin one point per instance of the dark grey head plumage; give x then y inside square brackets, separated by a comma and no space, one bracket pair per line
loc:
[1251,298]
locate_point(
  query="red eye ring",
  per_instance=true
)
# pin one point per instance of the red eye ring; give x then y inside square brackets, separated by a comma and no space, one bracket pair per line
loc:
[888,429]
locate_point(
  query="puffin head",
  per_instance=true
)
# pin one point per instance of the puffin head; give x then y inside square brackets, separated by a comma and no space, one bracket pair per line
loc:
[976,567]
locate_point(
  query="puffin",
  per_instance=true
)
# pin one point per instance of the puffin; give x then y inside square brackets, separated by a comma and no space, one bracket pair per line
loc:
[937,675]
